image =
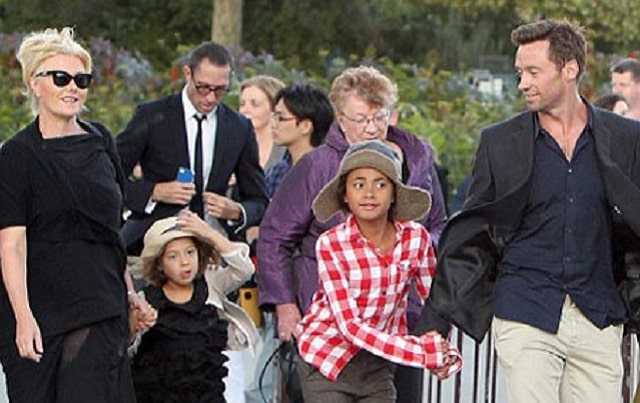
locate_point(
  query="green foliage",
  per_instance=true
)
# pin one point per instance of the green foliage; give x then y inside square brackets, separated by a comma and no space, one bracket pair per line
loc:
[611,25]
[156,28]
[299,28]
[442,107]
[414,31]
[14,108]
[445,34]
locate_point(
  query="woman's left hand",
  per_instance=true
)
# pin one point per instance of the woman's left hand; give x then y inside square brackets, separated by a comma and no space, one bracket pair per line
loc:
[142,315]
[28,338]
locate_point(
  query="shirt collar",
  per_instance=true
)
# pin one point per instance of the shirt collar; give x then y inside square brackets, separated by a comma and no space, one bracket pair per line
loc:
[354,231]
[537,129]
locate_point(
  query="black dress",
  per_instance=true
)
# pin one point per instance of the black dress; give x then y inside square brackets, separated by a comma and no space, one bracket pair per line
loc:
[64,191]
[67,193]
[180,358]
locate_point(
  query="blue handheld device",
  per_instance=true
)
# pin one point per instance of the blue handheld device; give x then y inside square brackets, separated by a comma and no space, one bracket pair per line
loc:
[185,175]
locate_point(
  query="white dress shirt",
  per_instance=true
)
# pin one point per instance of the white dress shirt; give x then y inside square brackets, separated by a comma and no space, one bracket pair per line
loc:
[209,126]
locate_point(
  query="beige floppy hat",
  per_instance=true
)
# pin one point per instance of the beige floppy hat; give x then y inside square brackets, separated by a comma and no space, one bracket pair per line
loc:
[411,203]
[159,234]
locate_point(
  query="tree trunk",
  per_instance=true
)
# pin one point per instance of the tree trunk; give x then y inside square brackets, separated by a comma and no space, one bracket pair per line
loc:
[226,27]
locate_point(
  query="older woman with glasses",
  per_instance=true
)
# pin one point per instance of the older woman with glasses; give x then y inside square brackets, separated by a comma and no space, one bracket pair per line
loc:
[63,301]
[363,100]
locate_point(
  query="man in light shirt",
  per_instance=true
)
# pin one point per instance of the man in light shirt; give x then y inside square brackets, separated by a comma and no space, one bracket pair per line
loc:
[195,130]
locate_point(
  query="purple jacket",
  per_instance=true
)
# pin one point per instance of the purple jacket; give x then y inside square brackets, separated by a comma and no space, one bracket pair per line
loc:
[287,268]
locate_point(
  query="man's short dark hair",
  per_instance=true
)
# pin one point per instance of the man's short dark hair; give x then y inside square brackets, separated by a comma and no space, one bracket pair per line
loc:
[306,101]
[627,64]
[566,41]
[217,54]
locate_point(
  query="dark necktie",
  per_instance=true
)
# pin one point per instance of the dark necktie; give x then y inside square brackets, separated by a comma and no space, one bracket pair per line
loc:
[196,201]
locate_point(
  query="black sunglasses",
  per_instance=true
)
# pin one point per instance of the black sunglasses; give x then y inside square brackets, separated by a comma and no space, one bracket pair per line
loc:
[62,78]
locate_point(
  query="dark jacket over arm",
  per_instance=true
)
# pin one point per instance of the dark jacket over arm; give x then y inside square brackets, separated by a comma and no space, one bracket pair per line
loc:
[472,242]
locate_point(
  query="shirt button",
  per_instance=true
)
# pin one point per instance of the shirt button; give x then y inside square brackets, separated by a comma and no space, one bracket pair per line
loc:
[567,259]
[570,170]
[571,200]
[569,230]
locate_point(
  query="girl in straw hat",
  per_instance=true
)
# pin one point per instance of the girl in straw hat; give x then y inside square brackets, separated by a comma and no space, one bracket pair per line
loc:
[356,326]
[180,358]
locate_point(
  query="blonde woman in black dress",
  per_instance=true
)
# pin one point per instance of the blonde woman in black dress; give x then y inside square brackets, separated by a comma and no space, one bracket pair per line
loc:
[63,300]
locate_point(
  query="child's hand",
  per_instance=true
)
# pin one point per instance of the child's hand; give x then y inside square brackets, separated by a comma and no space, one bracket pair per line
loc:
[451,358]
[444,343]
[190,222]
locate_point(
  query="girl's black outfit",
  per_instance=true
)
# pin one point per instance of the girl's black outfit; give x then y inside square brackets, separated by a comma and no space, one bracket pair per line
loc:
[180,358]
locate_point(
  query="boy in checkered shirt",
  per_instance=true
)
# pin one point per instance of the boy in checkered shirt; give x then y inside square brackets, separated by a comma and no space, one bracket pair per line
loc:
[356,326]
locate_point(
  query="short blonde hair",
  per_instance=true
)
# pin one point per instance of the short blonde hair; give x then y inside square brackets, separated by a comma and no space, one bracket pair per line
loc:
[368,83]
[39,46]
[267,84]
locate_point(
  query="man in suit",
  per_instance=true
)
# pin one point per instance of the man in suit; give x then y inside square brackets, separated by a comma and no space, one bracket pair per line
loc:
[625,81]
[541,240]
[193,130]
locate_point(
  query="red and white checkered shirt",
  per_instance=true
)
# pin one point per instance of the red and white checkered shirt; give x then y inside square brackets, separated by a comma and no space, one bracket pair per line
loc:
[361,302]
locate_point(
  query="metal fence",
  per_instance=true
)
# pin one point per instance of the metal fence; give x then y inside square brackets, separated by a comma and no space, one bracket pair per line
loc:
[481,379]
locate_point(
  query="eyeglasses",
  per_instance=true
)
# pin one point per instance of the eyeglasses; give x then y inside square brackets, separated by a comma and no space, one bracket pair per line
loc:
[62,78]
[219,90]
[206,89]
[380,119]
[278,117]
